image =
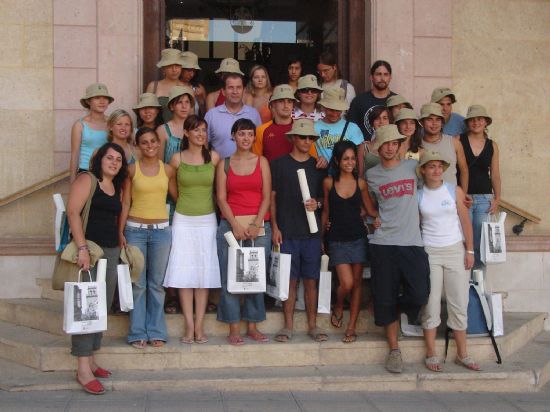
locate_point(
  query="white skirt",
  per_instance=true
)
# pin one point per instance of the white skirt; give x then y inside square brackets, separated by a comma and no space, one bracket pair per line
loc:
[193,261]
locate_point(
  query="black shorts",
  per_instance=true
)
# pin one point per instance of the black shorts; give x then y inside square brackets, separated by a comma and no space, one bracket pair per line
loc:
[400,281]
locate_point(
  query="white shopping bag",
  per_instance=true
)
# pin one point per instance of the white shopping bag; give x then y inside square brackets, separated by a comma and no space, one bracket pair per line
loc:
[279,275]
[323,303]
[493,241]
[495,306]
[246,270]
[125,295]
[84,307]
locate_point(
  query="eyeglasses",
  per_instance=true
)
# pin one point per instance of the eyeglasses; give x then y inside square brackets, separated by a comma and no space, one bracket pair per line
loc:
[312,138]
[308,90]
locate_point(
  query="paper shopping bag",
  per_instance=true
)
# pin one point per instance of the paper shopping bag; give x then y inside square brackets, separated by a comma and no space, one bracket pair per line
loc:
[125,295]
[246,270]
[493,241]
[325,281]
[279,275]
[495,307]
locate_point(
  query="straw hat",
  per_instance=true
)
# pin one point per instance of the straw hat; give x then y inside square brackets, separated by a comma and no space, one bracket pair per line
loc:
[397,99]
[428,156]
[282,91]
[178,91]
[146,100]
[387,133]
[169,57]
[302,127]
[477,110]
[441,92]
[190,60]
[229,65]
[334,99]
[429,109]
[94,90]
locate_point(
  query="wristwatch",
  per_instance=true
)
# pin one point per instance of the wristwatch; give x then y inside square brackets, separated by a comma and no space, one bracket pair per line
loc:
[319,205]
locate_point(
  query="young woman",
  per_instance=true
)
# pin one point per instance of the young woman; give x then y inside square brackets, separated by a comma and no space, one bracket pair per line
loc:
[483,164]
[121,130]
[308,94]
[367,156]
[408,125]
[327,68]
[345,194]
[193,266]
[243,189]
[144,223]
[109,167]
[148,111]
[394,104]
[258,92]
[89,132]
[445,223]
[190,65]
[170,64]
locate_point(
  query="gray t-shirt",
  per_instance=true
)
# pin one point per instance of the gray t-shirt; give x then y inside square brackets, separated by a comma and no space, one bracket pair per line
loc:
[395,191]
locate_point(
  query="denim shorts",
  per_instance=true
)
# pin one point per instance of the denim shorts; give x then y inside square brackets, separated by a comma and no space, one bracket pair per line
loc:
[351,251]
[306,257]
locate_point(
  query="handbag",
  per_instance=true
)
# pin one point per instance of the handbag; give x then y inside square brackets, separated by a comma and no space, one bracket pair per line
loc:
[279,274]
[66,266]
[493,240]
[125,295]
[246,270]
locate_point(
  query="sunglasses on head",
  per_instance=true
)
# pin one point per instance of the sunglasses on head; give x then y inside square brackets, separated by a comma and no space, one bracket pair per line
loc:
[312,138]
[308,90]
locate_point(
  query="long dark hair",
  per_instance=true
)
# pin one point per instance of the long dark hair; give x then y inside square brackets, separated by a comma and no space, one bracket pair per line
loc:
[376,112]
[415,142]
[192,122]
[95,164]
[339,149]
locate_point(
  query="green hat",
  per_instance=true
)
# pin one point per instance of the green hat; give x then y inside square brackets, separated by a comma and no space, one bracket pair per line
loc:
[282,91]
[229,65]
[441,92]
[146,100]
[335,99]
[385,134]
[190,60]
[169,57]
[302,127]
[397,99]
[94,90]
[477,110]
[428,156]
[429,109]
[178,91]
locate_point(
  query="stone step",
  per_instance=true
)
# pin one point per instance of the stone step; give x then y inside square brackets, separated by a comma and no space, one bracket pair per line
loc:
[526,371]
[50,352]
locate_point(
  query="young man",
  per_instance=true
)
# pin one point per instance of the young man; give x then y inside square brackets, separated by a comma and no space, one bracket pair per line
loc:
[399,264]
[380,77]
[431,118]
[220,119]
[453,122]
[290,227]
[329,74]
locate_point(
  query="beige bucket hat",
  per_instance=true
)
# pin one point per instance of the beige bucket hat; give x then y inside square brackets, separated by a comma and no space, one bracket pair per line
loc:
[146,100]
[397,99]
[477,110]
[406,113]
[169,57]
[429,109]
[387,133]
[441,92]
[302,127]
[190,60]
[309,81]
[178,91]
[229,65]
[334,99]
[428,156]
[94,90]
[282,91]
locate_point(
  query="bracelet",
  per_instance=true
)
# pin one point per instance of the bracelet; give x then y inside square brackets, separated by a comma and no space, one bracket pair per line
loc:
[470,252]
[83,247]
[253,224]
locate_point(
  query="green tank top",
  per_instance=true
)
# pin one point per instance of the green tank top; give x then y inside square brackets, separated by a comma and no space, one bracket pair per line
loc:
[195,186]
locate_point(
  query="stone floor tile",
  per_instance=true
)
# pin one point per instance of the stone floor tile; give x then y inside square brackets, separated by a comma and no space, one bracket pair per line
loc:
[38,396]
[261,405]
[261,396]
[399,406]
[347,406]
[106,405]
[110,396]
[188,406]
[329,396]
[18,406]
[533,406]
[198,395]
[399,396]
[467,405]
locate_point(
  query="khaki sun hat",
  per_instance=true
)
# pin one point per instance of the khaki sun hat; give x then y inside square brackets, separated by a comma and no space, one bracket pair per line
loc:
[132,256]
[178,91]
[146,100]
[94,90]
[387,133]
[405,114]
[441,92]
[282,91]
[429,109]
[428,156]
[302,127]
[169,57]
[190,60]
[397,99]
[309,81]
[477,110]
[229,65]
[335,99]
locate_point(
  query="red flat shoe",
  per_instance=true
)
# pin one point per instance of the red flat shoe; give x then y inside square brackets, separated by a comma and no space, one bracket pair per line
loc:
[94,387]
[102,373]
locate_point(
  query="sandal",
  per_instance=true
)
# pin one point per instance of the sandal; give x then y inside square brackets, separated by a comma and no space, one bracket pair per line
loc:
[186,340]
[235,340]
[433,364]
[211,307]
[139,344]
[201,339]
[258,337]
[171,307]
[350,336]
[336,320]
[157,343]
[318,334]
[468,363]
[284,335]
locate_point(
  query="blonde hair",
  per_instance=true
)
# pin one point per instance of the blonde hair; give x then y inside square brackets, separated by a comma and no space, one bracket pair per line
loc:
[113,118]
[250,87]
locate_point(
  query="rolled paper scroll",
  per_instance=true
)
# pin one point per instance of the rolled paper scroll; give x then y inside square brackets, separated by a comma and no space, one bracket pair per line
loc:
[304,188]
[231,241]
[101,273]
[324,263]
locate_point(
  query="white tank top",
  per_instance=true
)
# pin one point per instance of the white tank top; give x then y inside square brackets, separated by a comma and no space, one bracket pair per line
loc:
[445,147]
[440,222]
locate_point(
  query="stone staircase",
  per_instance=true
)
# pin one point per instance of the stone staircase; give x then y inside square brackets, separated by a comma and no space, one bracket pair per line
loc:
[35,354]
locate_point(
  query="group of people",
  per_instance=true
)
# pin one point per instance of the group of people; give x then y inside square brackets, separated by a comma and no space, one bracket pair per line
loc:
[386,186]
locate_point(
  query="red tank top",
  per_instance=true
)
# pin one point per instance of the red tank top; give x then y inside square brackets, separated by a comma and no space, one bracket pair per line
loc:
[244,193]
[220,100]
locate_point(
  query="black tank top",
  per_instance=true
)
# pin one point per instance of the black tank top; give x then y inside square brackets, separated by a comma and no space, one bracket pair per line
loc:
[479,181]
[346,223]
[102,220]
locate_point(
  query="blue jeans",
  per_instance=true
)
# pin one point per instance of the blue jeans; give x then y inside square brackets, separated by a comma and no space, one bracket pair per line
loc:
[229,309]
[147,319]
[479,213]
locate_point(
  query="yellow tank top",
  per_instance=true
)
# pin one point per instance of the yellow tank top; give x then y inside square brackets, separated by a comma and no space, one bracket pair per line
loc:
[149,194]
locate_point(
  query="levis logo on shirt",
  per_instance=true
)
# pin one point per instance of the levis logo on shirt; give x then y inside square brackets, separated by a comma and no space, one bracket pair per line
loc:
[397,189]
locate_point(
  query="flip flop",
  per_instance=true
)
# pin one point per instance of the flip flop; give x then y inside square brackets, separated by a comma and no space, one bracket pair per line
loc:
[284,335]
[139,344]
[186,340]
[157,343]
[258,337]
[433,364]
[201,339]
[235,340]
[350,336]
[336,320]
[318,334]
[468,363]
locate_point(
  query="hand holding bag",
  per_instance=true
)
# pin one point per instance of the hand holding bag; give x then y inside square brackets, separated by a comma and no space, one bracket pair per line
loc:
[246,270]
[279,274]
[125,295]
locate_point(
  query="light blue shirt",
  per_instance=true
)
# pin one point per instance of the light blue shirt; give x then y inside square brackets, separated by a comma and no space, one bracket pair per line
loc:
[455,126]
[330,133]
